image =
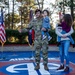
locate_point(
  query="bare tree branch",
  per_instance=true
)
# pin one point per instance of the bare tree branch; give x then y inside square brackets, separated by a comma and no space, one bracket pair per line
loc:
[42,3]
[38,3]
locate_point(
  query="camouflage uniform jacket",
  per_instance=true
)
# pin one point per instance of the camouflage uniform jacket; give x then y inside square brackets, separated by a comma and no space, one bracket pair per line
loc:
[36,24]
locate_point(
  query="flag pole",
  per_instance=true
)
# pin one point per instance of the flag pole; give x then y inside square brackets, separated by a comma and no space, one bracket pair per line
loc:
[2,22]
[2,49]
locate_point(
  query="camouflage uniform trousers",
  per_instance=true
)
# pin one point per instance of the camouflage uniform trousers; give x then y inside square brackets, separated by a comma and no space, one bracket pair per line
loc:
[41,45]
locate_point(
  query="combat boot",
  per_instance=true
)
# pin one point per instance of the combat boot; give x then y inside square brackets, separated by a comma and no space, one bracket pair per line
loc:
[46,67]
[37,67]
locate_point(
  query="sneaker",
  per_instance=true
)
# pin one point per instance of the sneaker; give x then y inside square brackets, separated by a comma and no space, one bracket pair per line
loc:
[44,37]
[66,69]
[49,38]
[61,67]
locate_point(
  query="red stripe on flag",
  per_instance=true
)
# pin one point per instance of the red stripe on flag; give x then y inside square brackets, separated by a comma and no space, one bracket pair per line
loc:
[2,29]
[2,34]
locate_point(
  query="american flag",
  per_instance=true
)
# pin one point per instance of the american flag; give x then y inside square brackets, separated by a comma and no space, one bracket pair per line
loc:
[2,29]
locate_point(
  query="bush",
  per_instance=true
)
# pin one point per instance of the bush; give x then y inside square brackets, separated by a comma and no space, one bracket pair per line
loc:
[14,37]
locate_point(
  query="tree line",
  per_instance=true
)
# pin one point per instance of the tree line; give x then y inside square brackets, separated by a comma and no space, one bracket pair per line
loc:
[23,10]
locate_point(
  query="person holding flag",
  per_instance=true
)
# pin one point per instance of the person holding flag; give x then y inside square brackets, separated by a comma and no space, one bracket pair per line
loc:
[31,31]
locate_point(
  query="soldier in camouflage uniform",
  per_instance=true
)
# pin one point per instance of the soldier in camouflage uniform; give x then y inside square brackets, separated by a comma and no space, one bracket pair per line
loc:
[39,44]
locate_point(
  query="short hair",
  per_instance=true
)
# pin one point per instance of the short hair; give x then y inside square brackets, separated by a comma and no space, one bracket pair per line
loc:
[38,10]
[47,12]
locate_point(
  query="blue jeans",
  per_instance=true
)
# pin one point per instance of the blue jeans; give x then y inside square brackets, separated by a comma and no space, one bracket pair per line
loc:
[47,33]
[64,47]
[70,37]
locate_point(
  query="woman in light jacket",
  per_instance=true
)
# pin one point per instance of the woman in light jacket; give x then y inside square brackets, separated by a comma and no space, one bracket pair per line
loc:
[64,45]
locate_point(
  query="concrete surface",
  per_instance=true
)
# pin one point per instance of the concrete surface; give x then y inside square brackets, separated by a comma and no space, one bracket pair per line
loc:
[28,48]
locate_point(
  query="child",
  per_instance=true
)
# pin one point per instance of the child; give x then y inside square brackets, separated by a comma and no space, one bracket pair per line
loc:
[65,28]
[46,25]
